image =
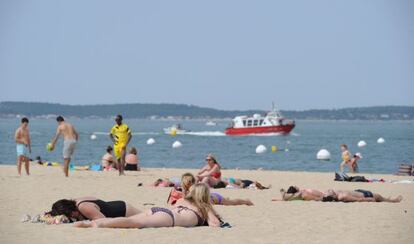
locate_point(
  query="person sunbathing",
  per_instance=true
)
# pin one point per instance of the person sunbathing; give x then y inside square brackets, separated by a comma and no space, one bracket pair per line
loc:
[357,196]
[295,193]
[195,209]
[91,208]
[188,180]
[164,183]
[240,183]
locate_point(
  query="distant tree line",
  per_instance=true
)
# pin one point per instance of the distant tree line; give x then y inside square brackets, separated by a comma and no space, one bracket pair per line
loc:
[141,110]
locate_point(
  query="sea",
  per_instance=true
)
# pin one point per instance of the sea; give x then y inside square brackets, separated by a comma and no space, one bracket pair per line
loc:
[295,152]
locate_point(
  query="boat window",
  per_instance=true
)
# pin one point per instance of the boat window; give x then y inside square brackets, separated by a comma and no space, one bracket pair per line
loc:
[249,122]
[261,122]
[255,122]
[244,122]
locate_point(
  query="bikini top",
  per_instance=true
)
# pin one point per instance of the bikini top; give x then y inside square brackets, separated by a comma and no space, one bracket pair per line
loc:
[200,220]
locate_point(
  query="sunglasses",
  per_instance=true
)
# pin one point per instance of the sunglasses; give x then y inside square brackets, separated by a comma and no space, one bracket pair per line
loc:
[209,159]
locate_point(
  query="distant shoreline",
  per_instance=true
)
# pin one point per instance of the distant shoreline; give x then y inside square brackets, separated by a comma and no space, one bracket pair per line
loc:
[184,112]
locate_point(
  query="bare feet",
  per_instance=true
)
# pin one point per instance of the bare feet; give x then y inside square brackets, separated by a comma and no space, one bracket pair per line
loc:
[85,224]
[398,199]
[248,202]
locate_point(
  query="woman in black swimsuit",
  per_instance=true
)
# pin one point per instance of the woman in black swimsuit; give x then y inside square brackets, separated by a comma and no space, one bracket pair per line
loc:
[92,208]
[193,210]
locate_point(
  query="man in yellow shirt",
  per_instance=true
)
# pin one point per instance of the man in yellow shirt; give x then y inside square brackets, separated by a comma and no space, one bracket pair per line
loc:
[120,136]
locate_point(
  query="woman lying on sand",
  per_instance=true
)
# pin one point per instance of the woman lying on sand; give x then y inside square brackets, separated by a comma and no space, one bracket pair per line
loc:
[357,196]
[295,193]
[188,179]
[195,209]
[91,208]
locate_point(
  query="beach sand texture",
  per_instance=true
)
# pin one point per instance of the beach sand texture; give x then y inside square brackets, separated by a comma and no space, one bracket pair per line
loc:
[266,222]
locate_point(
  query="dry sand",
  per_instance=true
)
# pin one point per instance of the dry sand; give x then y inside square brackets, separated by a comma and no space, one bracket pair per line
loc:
[266,222]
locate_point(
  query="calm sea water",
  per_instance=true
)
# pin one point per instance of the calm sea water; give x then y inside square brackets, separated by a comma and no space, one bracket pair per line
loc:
[296,152]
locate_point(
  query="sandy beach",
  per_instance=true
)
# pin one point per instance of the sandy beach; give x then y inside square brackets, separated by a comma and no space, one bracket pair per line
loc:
[265,222]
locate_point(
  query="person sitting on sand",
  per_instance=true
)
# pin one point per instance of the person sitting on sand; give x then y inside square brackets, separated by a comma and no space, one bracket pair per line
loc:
[210,173]
[92,208]
[239,183]
[131,160]
[108,161]
[295,193]
[188,180]
[357,196]
[194,209]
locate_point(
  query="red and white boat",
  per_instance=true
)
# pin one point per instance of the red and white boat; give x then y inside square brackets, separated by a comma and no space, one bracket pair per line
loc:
[272,123]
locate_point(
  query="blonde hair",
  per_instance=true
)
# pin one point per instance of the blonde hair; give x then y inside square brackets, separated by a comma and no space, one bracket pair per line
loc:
[187,180]
[199,196]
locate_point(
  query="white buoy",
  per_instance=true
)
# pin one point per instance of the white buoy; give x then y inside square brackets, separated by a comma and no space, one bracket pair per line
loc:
[177,144]
[93,137]
[261,149]
[323,154]
[150,141]
[380,140]
[362,144]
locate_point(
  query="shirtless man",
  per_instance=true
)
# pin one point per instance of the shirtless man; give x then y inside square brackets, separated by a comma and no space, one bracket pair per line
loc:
[358,196]
[295,193]
[23,146]
[70,137]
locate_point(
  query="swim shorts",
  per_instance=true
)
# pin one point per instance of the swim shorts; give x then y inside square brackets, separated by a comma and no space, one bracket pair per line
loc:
[68,148]
[365,192]
[118,149]
[22,150]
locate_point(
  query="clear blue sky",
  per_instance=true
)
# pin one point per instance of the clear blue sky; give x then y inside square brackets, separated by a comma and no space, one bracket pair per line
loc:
[221,54]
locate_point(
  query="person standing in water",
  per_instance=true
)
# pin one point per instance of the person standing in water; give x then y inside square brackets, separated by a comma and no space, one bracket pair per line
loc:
[70,137]
[120,135]
[23,146]
[346,157]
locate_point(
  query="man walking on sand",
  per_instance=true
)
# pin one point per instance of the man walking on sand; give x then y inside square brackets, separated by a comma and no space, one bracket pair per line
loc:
[70,137]
[23,146]
[120,135]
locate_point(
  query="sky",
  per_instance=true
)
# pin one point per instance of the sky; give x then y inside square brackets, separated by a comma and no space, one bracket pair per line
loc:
[221,54]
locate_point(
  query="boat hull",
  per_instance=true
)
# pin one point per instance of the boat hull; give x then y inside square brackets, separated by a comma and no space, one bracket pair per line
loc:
[280,129]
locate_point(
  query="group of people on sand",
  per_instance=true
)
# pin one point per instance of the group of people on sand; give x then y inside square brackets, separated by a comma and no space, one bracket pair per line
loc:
[120,135]
[24,148]
[359,195]
[191,205]
[109,162]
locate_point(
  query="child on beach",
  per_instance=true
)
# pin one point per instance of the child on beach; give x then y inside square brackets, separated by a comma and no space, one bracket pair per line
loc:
[346,157]
[23,146]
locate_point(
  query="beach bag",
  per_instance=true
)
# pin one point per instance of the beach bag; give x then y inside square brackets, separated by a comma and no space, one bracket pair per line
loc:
[175,194]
